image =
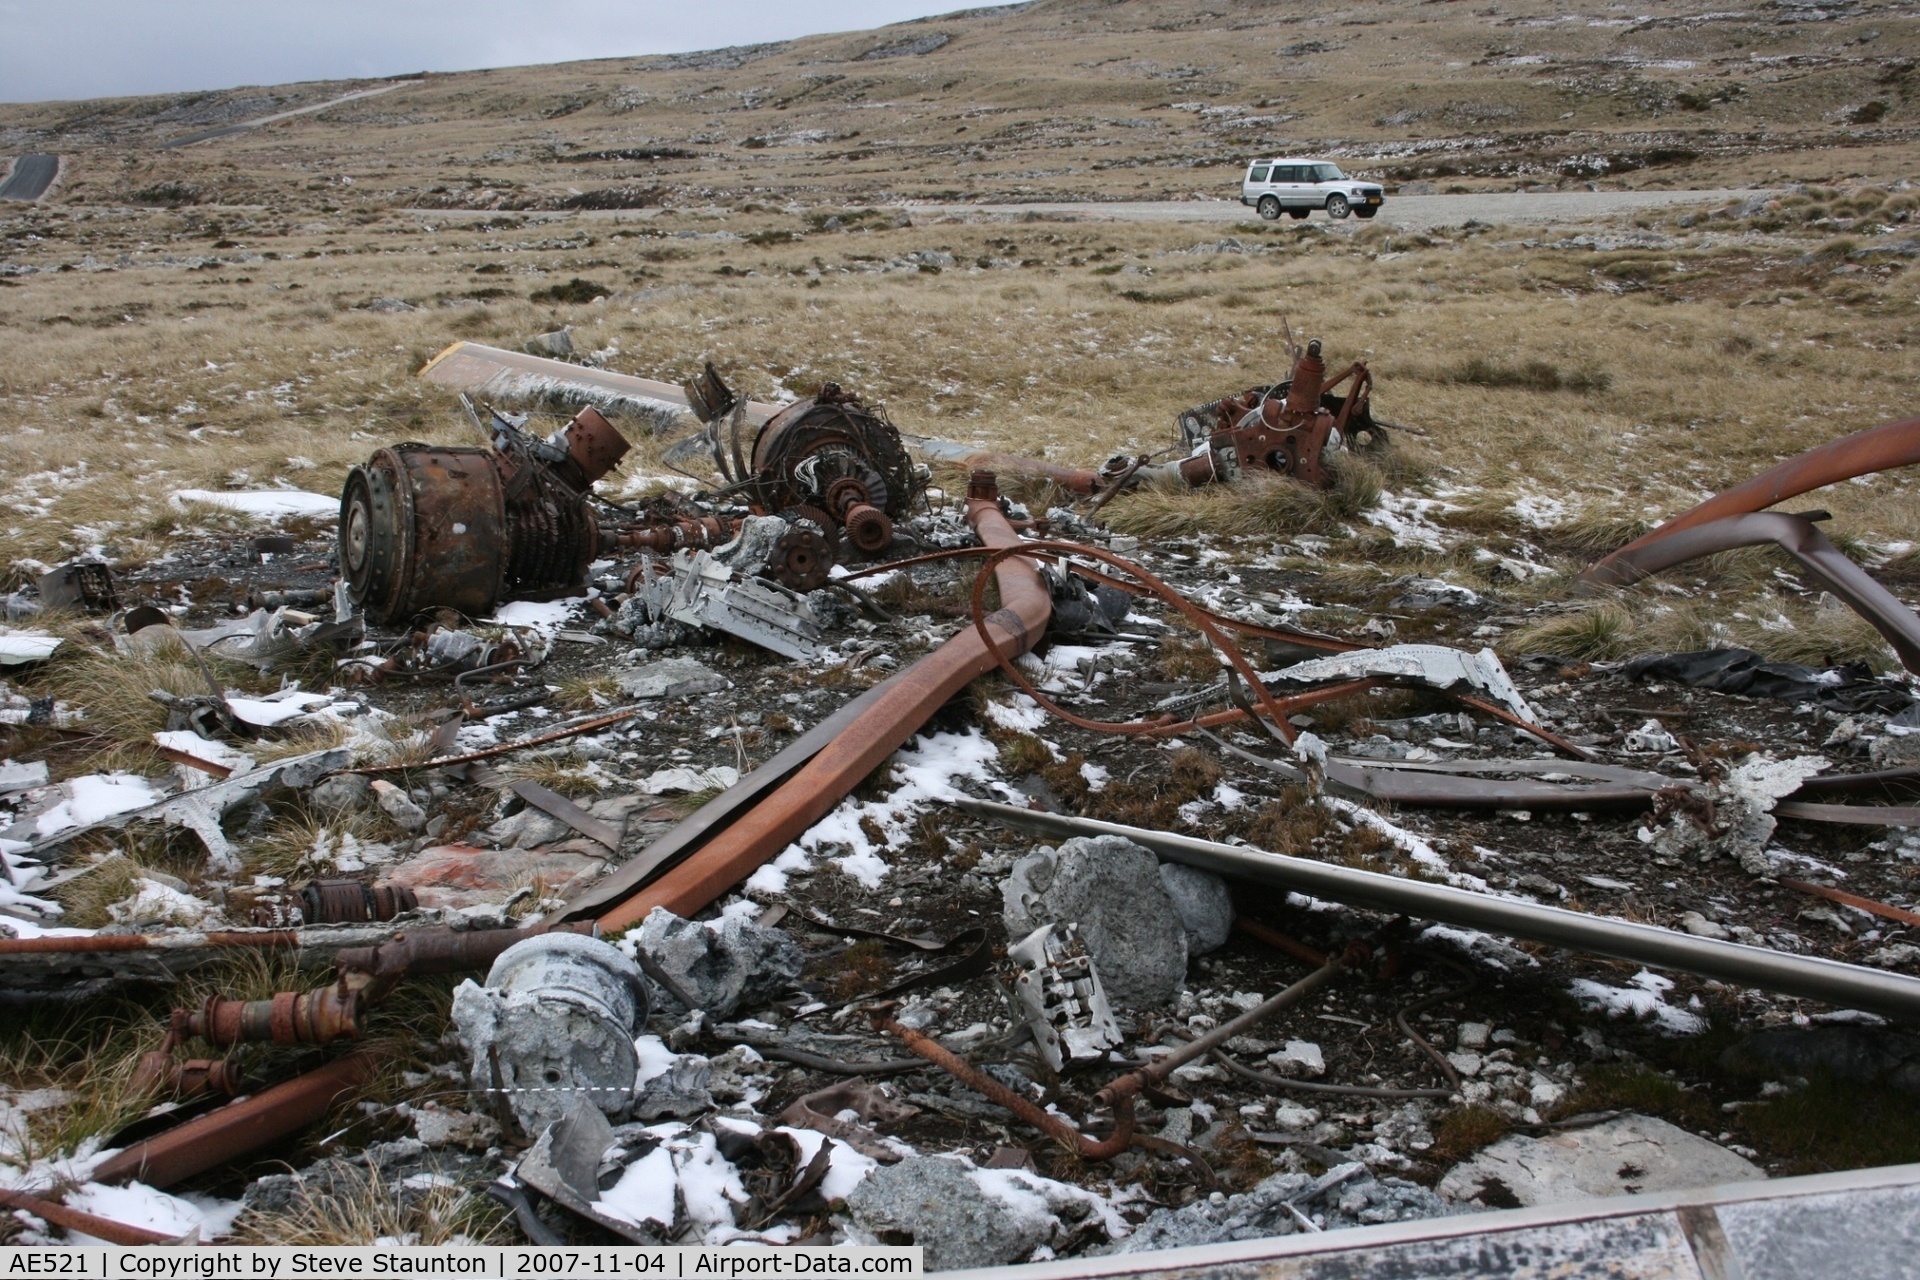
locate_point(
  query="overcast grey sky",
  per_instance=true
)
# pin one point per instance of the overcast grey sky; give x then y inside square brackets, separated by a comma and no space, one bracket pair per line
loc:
[101,48]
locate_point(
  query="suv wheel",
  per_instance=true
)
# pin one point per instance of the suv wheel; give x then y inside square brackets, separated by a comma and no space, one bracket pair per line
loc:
[1269,207]
[1298,213]
[1337,206]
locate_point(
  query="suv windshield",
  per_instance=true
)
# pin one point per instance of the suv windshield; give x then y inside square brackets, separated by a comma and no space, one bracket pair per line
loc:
[1327,173]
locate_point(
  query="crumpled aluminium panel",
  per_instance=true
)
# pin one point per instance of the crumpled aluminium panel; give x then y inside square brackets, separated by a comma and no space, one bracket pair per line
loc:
[1430,664]
[1060,994]
[706,593]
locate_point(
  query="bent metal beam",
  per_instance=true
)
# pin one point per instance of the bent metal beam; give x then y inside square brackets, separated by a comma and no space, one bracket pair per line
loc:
[1892,444]
[890,719]
[1797,536]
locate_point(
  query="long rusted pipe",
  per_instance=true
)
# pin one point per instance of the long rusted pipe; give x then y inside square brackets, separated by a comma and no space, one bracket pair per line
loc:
[240,1127]
[1893,444]
[1797,536]
[268,938]
[80,1220]
[819,785]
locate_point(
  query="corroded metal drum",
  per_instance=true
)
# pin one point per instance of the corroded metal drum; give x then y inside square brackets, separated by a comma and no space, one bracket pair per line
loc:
[425,526]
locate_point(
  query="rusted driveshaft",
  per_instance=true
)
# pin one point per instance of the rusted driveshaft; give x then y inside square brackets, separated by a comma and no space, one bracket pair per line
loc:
[1122,1090]
[1055,1127]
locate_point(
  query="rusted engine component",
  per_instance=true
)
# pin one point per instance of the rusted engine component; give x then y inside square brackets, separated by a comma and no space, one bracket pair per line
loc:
[239,1127]
[804,556]
[86,584]
[1285,428]
[290,1017]
[340,901]
[1881,448]
[832,453]
[424,525]
[157,1075]
[1794,534]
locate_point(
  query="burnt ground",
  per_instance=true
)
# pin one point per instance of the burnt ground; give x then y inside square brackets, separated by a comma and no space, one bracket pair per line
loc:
[1549,1057]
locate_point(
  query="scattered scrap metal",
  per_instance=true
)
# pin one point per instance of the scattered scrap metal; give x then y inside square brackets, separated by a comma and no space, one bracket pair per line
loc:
[645,967]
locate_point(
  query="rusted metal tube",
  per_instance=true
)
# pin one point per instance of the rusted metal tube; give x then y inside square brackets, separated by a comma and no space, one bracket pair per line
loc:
[1893,444]
[91,1224]
[1797,536]
[1160,1068]
[1074,480]
[1282,942]
[1854,900]
[889,721]
[266,938]
[1052,1125]
[241,1127]
[377,970]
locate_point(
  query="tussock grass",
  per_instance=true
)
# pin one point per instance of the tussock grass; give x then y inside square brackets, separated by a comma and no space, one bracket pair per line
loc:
[566,772]
[1820,637]
[1254,506]
[115,690]
[1634,625]
[587,693]
[356,1205]
[1531,375]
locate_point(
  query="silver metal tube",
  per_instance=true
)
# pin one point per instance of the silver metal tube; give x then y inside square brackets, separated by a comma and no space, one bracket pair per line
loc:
[1829,981]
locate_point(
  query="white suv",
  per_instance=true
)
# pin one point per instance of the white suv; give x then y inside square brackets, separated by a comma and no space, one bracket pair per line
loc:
[1301,186]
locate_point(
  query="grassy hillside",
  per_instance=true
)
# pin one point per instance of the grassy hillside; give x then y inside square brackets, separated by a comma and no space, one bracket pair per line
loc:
[1129,99]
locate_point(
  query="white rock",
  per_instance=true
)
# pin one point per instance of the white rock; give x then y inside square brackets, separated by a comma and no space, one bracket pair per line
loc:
[1621,1157]
[1701,927]
[1299,1058]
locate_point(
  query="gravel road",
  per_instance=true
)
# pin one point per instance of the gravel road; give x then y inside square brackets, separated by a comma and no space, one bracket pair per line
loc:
[1410,212]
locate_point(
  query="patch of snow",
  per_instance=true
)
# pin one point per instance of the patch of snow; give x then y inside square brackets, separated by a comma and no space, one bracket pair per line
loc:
[1538,509]
[846,1168]
[1020,714]
[263,504]
[539,615]
[1405,518]
[645,1191]
[924,772]
[139,1205]
[95,798]
[771,878]
[1644,997]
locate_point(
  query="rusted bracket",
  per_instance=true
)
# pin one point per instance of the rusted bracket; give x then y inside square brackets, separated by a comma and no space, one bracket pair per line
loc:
[1797,536]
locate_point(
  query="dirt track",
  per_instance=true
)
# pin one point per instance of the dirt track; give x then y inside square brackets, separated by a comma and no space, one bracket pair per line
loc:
[1412,212]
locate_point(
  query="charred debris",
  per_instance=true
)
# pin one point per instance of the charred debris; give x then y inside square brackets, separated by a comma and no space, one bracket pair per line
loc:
[646,871]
